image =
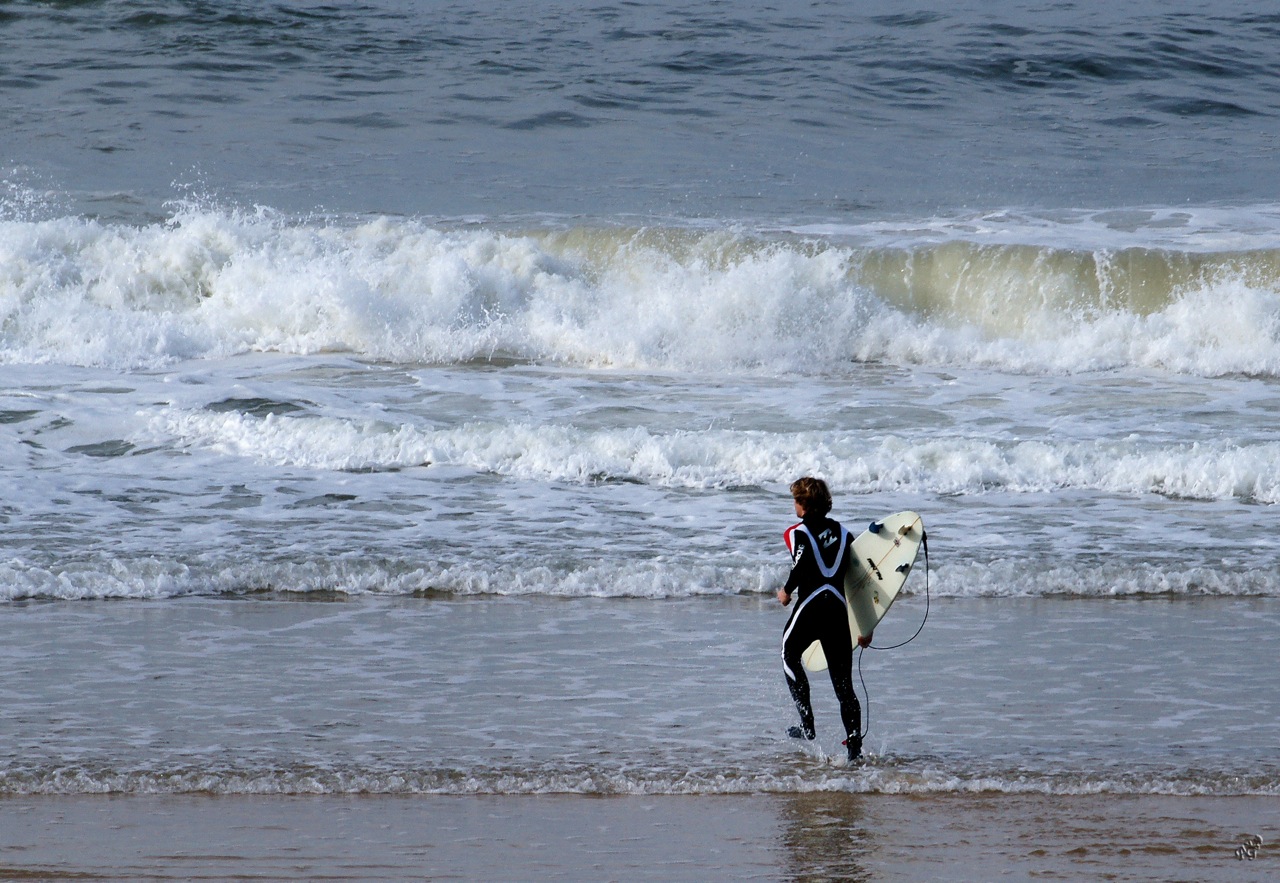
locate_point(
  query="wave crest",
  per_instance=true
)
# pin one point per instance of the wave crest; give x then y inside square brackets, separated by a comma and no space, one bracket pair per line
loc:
[210,284]
[724,458]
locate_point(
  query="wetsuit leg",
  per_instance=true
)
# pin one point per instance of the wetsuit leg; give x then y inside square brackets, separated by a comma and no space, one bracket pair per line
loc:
[821,617]
[837,646]
[805,626]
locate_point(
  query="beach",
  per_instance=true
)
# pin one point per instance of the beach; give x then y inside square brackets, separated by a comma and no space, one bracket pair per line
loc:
[822,836]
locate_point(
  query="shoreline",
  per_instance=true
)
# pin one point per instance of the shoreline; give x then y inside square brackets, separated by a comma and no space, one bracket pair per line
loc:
[762,836]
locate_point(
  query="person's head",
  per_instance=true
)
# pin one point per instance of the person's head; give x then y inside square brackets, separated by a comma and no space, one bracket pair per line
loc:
[812,495]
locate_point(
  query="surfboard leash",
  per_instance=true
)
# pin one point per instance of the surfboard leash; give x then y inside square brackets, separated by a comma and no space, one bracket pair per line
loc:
[866,706]
[924,545]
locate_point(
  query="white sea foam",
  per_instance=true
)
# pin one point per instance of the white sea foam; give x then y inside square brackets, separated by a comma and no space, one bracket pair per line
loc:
[213,283]
[850,461]
[872,779]
[153,577]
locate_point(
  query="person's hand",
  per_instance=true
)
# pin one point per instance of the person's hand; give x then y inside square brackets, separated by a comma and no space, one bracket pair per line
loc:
[783,597]
[865,640]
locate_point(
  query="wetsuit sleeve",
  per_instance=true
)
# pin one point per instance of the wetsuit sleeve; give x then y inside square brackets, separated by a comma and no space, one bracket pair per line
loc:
[799,550]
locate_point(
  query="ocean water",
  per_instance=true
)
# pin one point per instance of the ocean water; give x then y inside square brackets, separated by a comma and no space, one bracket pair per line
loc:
[401,398]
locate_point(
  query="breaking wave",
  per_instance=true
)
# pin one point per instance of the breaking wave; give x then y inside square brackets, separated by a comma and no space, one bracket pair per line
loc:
[211,283]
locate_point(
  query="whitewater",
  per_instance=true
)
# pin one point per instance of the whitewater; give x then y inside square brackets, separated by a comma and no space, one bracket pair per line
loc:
[1165,291]
[246,382]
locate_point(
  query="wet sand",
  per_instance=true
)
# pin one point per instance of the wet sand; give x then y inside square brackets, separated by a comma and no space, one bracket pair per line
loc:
[818,836]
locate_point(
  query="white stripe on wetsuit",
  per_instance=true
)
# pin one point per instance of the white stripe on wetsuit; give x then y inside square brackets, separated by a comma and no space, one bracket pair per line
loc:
[827,572]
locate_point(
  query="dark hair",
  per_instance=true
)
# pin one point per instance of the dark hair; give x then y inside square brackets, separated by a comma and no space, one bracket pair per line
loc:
[813,494]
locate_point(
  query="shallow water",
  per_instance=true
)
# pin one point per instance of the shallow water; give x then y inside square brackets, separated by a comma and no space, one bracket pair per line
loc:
[527,695]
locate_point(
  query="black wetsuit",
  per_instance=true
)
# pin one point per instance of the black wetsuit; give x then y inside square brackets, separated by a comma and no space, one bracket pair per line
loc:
[817,582]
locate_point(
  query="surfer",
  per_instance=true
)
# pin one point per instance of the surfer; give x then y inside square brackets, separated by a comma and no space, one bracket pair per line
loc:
[817,546]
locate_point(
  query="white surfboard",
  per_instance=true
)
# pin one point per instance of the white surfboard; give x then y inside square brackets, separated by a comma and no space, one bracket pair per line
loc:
[881,559]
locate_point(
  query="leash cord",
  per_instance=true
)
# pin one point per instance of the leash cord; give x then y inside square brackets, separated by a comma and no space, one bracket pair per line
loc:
[924,544]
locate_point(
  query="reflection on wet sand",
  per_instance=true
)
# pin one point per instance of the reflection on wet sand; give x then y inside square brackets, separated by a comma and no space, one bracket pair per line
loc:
[827,835]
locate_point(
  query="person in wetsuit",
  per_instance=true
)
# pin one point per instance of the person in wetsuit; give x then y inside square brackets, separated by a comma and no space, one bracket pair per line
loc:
[820,549]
